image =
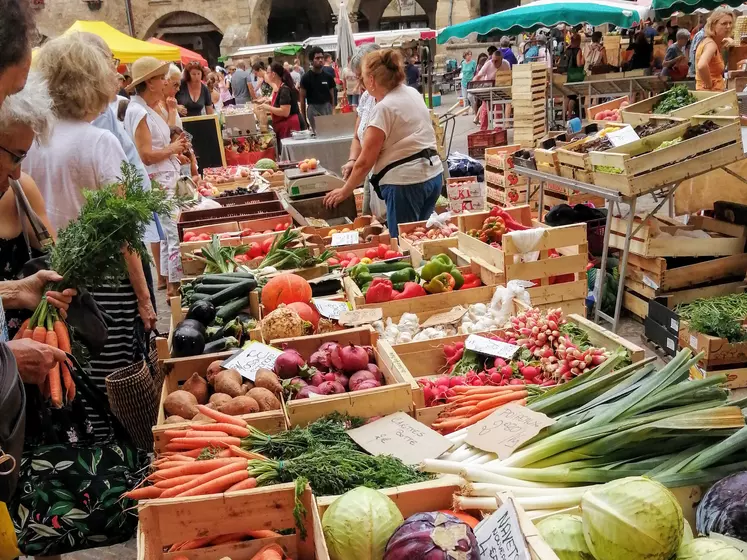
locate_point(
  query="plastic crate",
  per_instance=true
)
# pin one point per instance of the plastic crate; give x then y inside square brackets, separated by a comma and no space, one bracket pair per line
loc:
[478,141]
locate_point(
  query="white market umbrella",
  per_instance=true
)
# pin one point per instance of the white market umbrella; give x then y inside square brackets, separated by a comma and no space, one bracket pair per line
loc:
[345,41]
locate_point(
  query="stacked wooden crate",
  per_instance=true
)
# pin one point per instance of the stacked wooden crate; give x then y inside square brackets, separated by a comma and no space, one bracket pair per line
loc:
[505,187]
[528,93]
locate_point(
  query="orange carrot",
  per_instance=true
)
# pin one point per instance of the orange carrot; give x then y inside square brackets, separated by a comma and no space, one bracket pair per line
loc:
[176,481]
[67,381]
[192,453]
[220,417]
[22,329]
[175,457]
[238,452]
[472,390]
[198,434]
[500,400]
[39,334]
[167,465]
[63,336]
[198,467]
[55,382]
[175,433]
[228,538]
[484,414]
[447,425]
[207,477]
[230,429]
[210,441]
[454,412]
[28,333]
[243,485]
[217,485]
[270,552]
[144,493]
[190,545]
[263,534]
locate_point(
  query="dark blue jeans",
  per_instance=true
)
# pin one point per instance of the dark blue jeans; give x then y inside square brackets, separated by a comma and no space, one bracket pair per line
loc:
[410,203]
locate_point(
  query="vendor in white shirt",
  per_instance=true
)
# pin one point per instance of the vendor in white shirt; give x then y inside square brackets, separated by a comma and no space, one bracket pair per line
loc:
[492,66]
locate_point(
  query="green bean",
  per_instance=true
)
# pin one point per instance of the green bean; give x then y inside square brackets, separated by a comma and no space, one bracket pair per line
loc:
[734,305]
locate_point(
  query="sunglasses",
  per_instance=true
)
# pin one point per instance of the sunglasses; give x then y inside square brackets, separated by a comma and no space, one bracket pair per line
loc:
[14,157]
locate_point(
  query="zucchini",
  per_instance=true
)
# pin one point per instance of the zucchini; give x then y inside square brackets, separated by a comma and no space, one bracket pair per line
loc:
[194,296]
[210,289]
[379,267]
[233,291]
[231,309]
[227,278]
[220,345]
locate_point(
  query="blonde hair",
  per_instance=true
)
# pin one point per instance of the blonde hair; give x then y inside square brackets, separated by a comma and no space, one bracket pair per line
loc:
[386,67]
[81,78]
[714,18]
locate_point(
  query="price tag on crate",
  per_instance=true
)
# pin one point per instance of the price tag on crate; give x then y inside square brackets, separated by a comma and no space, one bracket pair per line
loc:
[500,536]
[446,318]
[506,429]
[402,436]
[252,358]
[491,347]
[330,309]
[345,238]
[625,135]
[358,317]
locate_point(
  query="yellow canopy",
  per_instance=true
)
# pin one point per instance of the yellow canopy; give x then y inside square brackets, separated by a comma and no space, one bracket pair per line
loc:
[127,49]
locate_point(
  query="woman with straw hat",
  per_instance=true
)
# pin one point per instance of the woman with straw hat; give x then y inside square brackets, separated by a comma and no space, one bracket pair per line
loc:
[152,136]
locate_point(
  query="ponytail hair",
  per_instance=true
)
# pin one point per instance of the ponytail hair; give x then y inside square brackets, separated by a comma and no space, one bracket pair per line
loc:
[285,77]
[386,67]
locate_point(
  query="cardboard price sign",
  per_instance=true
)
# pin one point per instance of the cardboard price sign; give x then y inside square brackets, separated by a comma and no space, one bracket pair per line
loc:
[625,135]
[506,429]
[466,196]
[359,317]
[491,347]
[346,238]
[446,318]
[329,309]
[402,436]
[251,359]
[499,536]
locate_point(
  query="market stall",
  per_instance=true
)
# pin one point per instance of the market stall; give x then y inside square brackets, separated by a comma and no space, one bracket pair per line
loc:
[125,48]
[187,55]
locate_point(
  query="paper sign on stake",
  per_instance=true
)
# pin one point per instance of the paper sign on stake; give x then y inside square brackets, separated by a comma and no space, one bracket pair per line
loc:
[506,429]
[252,358]
[346,238]
[359,317]
[446,318]
[402,436]
[499,536]
[491,347]
[329,309]
[625,135]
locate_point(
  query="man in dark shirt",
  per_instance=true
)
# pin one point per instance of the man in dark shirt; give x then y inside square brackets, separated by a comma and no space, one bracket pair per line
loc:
[412,73]
[316,89]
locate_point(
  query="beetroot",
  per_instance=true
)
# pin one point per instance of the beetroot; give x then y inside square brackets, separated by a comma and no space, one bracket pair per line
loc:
[320,360]
[352,358]
[367,384]
[359,377]
[306,391]
[373,368]
[288,363]
[331,388]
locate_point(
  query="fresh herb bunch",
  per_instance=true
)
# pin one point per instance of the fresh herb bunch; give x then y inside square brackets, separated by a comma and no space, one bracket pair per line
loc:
[735,305]
[281,257]
[675,98]
[88,251]
[717,323]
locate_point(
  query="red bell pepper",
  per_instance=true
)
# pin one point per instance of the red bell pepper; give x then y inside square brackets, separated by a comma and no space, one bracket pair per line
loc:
[380,291]
[511,223]
[411,290]
[471,281]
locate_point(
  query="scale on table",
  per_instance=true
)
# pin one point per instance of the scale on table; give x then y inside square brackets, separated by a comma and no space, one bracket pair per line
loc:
[312,182]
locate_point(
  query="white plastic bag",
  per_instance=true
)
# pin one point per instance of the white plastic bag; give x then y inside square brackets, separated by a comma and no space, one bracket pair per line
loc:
[526,240]
[438,220]
[501,305]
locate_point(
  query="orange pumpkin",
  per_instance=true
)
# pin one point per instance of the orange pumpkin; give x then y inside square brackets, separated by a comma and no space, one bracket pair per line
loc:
[285,288]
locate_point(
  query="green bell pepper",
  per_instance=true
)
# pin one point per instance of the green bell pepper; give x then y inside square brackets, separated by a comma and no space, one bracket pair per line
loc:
[458,278]
[404,275]
[437,265]
[360,274]
[441,283]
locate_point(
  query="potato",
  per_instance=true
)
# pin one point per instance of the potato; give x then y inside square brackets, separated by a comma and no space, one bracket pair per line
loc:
[181,403]
[202,418]
[198,387]
[240,405]
[229,382]
[174,419]
[265,399]
[214,369]
[247,386]
[267,379]
[218,399]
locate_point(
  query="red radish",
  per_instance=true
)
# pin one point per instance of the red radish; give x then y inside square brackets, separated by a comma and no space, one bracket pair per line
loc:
[266,244]
[288,363]
[320,360]
[331,388]
[306,391]
[457,380]
[204,237]
[351,358]
[280,226]
[189,236]
[255,250]
[247,232]
[442,381]
[306,312]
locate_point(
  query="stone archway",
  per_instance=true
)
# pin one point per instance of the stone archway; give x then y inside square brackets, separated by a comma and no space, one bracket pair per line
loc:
[277,21]
[395,14]
[190,30]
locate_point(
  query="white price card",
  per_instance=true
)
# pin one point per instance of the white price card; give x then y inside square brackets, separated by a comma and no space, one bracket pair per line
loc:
[625,135]
[491,347]
[358,317]
[345,238]
[506,429]
[402,436]
[329,309]
[255,356]
[499,536]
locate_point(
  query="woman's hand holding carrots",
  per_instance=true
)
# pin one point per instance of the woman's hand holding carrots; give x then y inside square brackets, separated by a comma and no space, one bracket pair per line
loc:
[35,359]
[28,292]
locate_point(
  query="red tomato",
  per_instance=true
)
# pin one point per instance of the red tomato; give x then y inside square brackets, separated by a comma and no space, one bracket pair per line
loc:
[266,244]
[280,227]
[372,253]
[246,232]
[391,254]
[204,237]
[344,263]
[255,250]
[268,231]
[382,249]
[189,236]
[333,261]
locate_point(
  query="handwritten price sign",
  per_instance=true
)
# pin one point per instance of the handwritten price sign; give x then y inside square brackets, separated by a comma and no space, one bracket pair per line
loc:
[506,429]
[255,356]
[499,536]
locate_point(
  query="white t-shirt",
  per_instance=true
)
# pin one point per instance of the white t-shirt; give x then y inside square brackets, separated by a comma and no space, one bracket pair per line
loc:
[78,156]
[406,123]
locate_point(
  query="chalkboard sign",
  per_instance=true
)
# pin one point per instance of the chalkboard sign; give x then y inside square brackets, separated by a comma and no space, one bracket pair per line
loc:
[207,141]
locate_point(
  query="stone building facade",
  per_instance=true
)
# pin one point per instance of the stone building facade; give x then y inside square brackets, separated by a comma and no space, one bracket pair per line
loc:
[215,27]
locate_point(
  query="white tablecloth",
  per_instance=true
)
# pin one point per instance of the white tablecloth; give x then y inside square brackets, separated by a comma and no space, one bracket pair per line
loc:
[332,153]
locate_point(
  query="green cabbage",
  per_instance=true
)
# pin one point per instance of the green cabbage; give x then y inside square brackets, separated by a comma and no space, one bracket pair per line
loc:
[708,549]
[564,534]
[632,518]
[359,523]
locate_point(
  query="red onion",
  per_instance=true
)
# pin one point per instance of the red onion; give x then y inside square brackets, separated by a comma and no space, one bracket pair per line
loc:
[371,354]
[328,347]
[359,377]
[342,379]
[317,378]
[331,388]
[288,363]
[373,368]
[367,384]
[352,358]
[320,360]
[306,391]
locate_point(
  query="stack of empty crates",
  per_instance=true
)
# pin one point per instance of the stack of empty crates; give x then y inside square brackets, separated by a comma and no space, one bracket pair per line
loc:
[528,97]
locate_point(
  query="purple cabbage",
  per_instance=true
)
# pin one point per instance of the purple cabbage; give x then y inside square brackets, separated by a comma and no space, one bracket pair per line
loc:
[414,539]
[723,509]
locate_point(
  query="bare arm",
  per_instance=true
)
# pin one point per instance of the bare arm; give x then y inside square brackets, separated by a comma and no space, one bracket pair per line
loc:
[140,287]
[374,140]
[701,66]
[282,111]
[579,59]
[302,102]
[355,151]
[144,145]
[332,93]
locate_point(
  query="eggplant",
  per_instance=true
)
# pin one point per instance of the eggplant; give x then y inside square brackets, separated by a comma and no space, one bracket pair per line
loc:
[220,345]
[187,341]
[202,311]
[195,324]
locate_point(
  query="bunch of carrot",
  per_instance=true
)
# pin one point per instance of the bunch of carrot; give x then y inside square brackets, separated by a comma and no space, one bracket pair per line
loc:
[204,542]
[45,326]
[180,472]
[471,404]
[269,552]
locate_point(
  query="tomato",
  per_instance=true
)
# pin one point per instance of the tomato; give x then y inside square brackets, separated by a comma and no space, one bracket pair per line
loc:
[268,231]
[372,253]
[344,263]
[382,249]
[246,232]
[351,256]
[280,227]
[189,236]
[266,244]
[203,237]
[333,261]
[391,254]
[255,250]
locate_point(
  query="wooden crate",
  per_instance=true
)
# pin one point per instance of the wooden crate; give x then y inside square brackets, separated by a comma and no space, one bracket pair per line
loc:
[718,351]
[501,157]
[424,250]
[366,225]
[709,102]
[567,157]
[657,274]
[736,377]
[653,169]
[512,196]
[414,360]
[168,521]
[726,238]
[552,198]
[547,160]
[394,396]
[593,111]
[569,241]
[178,370]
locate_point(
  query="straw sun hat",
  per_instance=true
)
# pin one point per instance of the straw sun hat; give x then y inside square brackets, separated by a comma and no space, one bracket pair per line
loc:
[146,68]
